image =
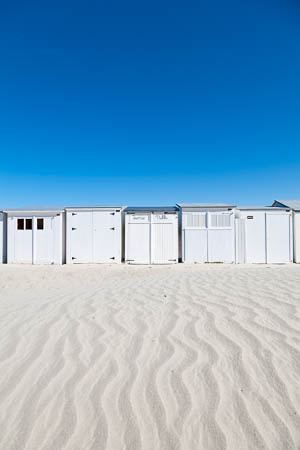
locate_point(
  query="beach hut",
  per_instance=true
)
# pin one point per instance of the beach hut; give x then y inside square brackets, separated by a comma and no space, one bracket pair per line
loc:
[94,234]
[264,235]
[2,238]
[151,235]
[35,235]
[207,232]
[294,205]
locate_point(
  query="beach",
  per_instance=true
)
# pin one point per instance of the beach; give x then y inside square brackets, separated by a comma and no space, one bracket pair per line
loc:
[149,357]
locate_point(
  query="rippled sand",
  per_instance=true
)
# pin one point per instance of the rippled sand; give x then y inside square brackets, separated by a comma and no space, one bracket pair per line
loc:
[166,357]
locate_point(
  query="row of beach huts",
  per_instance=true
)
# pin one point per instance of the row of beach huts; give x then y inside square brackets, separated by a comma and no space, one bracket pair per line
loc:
[188,233]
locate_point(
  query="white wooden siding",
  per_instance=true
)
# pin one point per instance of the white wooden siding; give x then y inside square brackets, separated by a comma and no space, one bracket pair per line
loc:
[151,238]
[35,246]
[268,237]
[93,236]
[1,238]
[208,236]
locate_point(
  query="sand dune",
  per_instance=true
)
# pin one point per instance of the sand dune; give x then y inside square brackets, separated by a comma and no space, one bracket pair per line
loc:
[166,357]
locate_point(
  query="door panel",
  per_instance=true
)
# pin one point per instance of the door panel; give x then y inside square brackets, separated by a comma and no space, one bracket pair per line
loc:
[80,229]
[195,246]
[138,238]
[162,240]
[107,242]
[44,241]
[240,234]
[23,243]
[278,238]
[220,246]
[164,237]
[255,235]
[138,243]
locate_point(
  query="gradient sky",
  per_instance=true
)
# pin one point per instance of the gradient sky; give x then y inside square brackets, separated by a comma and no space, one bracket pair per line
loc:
[149,102]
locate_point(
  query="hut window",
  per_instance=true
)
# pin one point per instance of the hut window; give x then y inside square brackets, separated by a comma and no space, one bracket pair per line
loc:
[20,224]
[196,220]
[220,220]
[40,224]
[28,224]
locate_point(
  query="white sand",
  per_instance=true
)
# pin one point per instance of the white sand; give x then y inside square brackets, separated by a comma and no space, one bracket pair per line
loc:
[167,357]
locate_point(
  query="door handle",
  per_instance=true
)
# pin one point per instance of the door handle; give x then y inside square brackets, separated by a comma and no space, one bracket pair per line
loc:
[74,229]
[112,258]
[113,228]
[73,257]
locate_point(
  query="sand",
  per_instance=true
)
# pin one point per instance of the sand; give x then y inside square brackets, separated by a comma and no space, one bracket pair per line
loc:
[137,357]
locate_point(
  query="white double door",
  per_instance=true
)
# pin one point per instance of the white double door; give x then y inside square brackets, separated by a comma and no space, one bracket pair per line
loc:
[93,237]
[211,242]
[268,238]
[208,246]
[33,240]
[152,238]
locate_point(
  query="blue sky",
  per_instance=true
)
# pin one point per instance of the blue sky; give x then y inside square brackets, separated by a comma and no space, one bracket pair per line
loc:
[149,102]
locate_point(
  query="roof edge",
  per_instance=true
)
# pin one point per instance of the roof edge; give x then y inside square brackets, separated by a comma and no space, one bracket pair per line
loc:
[151,208]
[204,206]
[33,210]
[75,208]
[263,208]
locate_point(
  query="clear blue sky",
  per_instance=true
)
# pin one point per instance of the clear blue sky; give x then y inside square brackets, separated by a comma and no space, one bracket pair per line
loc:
[149,102]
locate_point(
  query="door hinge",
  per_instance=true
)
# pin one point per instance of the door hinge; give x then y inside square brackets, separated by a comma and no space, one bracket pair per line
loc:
[113,228]
[74,229]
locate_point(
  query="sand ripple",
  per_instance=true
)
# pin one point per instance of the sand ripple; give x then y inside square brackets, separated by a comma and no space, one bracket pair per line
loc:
[170,357]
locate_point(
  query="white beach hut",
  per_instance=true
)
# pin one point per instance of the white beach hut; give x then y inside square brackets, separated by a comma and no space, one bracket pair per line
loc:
[2,238]
[94,234]
[264,235]
[207,232]
[35,235]
[151,235]
[294,205]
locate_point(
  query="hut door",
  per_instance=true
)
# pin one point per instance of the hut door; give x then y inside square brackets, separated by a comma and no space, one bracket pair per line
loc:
[138,240]
[43,240]
[106,236]
[23,240]
[195,245]
[278,238]
[164,238]
[220,237]
[80,234]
